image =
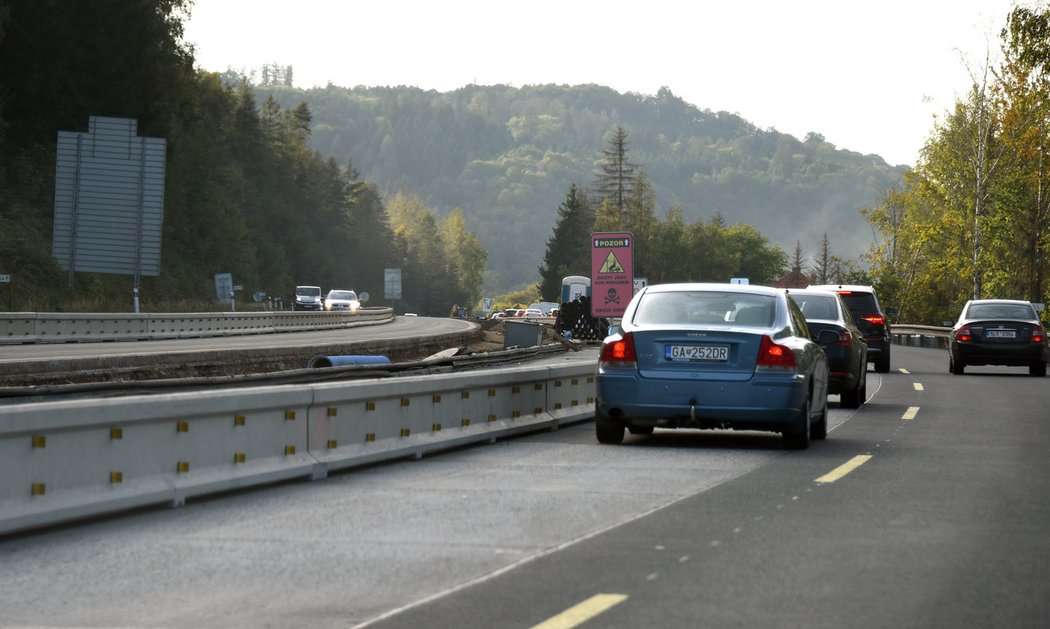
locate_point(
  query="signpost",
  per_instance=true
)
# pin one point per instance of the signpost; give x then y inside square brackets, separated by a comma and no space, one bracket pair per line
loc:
[612,273]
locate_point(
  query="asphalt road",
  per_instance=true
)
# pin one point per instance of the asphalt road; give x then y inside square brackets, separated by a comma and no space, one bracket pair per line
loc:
[397,329]
[945,525]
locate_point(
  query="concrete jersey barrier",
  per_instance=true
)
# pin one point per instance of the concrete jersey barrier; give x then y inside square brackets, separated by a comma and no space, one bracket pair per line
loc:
[62,461]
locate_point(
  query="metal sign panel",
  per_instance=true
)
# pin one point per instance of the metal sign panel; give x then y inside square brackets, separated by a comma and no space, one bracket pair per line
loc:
[109,199]
[224,286]
[612,273]
[392,283]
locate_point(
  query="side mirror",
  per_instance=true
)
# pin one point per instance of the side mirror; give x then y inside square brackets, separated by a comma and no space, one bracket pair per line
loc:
[614,329]
[827,337]
[948,323]
[1039,307]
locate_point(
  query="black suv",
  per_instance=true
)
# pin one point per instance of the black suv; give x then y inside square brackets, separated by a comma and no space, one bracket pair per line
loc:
[870,318]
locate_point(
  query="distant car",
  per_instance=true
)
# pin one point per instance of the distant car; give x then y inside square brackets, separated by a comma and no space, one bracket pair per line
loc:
[870,318]
[307,298]
[832,327]
[532,312]
[998,332]
[337,300]
[712,356]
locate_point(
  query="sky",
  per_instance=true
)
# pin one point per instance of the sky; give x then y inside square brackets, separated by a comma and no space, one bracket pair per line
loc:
[871,77]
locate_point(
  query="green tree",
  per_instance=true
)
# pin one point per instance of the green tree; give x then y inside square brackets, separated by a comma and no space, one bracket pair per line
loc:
[466,258]
[567,251]
[615,177]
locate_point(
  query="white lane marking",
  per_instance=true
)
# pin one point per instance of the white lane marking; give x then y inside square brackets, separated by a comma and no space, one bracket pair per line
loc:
[918,386]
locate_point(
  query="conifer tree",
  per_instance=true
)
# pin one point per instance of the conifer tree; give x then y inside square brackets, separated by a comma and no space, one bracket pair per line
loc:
[615,173]
[567,251]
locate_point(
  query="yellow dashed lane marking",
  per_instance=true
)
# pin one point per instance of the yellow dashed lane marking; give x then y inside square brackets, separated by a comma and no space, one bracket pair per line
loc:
[844,469]
[918,386]
[910,413]
[582,612]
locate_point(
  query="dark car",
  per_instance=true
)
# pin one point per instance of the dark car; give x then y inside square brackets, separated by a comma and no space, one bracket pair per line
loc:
[831,325]
[998,332]
[712,356]
[869,316]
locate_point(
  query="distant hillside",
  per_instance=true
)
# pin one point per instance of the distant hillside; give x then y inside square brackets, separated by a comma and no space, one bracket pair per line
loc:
[508,155]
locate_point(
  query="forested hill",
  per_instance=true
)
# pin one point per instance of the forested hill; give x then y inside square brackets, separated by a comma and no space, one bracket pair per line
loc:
[508,155]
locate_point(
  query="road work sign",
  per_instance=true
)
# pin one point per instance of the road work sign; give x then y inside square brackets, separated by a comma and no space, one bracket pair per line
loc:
[612,273]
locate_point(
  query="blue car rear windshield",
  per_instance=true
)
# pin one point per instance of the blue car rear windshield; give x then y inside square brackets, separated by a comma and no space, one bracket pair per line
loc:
[706,307]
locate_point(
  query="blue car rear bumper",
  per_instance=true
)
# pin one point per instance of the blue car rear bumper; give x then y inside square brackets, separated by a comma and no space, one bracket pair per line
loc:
[763,402]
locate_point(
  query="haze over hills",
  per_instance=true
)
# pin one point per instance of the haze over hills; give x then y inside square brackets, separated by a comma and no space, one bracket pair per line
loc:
[508,155]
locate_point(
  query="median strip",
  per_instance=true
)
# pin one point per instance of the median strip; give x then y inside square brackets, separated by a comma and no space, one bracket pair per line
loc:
[844,469]
[582,612]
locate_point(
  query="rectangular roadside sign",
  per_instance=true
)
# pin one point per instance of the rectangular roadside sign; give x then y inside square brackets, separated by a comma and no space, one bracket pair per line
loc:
[612,273]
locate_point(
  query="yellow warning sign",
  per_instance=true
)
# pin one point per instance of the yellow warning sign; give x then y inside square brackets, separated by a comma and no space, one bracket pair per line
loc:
[612,265]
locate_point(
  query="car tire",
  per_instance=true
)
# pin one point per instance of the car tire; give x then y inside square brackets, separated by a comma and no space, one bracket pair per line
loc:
[797,437]
[820,427]
[882,364]
[1037,369]
[640,430]
[856,397]
[956,366]
[608,431]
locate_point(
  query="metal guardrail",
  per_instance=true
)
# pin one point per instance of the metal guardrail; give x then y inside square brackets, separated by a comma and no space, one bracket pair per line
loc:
[934,337]
[41,327]
[62,461]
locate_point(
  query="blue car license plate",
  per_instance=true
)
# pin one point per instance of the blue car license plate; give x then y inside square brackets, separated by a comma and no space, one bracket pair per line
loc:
[685,353]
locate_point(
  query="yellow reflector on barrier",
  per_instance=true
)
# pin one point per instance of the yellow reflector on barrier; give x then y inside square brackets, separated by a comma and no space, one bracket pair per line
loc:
[239,420]
[116,434]
[464,422]
[436,399]
[332,411]
[239,457]
[332,444]
[370,436]
[116,477]
[182,467]
[405,432]
[370,406]
[38,489]
[182,427]
[289,415]
[39,441]
[435,427]
[289,450]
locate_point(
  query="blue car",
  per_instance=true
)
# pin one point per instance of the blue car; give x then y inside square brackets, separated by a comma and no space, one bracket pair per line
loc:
[727,356]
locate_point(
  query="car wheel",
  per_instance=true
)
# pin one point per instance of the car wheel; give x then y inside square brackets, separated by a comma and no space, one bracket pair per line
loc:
[820,427]
[882,364]
[856,397]
[797,437]
[1037,369]
[956,366]
[640,430]
[608,431]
